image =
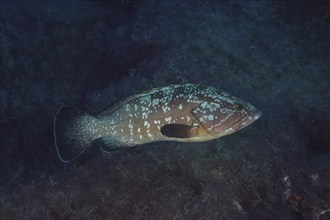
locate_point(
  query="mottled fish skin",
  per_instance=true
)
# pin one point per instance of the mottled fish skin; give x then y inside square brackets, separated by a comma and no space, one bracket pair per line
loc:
[184,113]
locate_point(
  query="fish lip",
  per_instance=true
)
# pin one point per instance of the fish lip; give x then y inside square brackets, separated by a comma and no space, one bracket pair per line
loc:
[257,115]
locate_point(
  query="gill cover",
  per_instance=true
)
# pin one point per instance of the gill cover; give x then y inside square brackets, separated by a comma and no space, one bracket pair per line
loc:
[213,116]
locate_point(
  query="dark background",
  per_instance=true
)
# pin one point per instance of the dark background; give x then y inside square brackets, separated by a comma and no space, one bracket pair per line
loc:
[86,54]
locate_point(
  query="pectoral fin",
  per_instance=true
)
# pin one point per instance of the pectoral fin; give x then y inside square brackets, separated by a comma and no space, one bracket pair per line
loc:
[177,130]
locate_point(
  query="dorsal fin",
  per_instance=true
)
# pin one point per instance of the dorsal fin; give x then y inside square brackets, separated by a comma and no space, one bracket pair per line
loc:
[108,106]
[159,88]
[108,109]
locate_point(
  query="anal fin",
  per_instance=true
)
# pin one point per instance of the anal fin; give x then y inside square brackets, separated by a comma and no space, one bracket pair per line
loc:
[110,144]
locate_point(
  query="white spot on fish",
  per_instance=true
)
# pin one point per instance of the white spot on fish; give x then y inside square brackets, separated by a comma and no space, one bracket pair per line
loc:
[204,105]
[180,106]
[168,120]
[155,102]
[144,109]
[166,109]
[145,100]
[144,115]
[146,124]
[210,117]
[131,127]
[214,106]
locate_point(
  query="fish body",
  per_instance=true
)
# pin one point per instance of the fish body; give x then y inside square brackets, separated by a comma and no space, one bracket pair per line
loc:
[184,113]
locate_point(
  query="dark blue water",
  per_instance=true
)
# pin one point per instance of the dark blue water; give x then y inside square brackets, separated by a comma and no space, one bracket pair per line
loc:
[87,54]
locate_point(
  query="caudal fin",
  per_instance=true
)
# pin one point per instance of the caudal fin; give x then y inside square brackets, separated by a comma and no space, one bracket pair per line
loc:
[74,131]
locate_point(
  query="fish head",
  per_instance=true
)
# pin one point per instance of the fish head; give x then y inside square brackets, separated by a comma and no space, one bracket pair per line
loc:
[225,115]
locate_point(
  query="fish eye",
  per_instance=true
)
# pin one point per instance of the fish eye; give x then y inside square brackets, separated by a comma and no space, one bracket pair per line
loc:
[239,106]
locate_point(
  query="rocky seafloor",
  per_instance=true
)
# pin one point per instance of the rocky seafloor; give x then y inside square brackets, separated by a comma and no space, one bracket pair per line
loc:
[86,54]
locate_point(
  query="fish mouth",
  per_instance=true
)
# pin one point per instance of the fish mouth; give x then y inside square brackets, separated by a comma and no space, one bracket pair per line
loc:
[257,115]
[247,121]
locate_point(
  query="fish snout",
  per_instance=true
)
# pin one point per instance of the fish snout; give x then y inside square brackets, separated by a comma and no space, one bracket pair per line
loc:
[251,115]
